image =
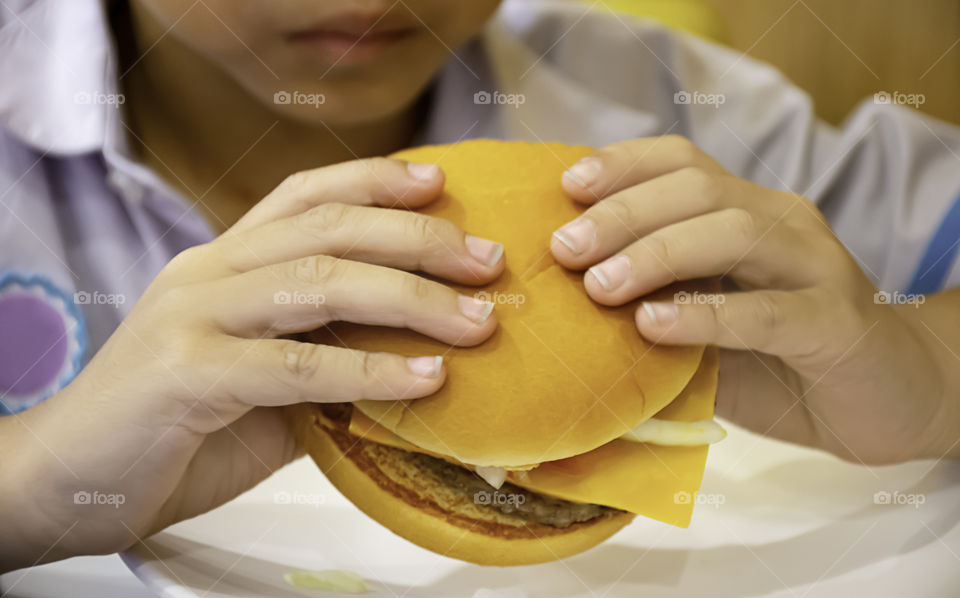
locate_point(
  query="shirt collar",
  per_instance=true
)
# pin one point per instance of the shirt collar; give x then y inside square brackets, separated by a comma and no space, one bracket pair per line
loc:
[59,73]
[65,97]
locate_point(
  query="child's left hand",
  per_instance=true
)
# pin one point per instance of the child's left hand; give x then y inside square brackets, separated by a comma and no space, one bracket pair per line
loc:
[811,356]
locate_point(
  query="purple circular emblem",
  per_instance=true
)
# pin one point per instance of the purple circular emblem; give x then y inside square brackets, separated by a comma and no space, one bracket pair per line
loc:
[33,344]
[43,340]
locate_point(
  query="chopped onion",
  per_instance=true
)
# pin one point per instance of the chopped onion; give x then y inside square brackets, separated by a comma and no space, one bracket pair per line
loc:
[495,476]
[672,433]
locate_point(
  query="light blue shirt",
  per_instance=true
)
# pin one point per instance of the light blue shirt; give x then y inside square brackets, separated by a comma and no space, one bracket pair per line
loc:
[85,227]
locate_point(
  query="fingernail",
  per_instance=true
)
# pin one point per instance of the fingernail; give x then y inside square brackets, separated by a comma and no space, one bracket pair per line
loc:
[423,172]
[660,314]
[483,250]
[577,235]
[585,172]
[428,367]
[475,309]
[612,273]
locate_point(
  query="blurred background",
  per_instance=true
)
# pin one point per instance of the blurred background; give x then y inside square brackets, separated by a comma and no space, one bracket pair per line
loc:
[840,51]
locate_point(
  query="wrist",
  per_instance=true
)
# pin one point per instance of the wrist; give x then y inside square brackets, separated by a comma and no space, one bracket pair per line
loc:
[17,537]
[941,439]
[30,536]
[945,432]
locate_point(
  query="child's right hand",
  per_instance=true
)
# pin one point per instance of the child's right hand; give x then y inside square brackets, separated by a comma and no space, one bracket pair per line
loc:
[177,412]
[808,352]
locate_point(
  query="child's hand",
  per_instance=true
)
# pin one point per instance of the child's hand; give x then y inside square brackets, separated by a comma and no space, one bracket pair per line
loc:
[811,358]
[177,413]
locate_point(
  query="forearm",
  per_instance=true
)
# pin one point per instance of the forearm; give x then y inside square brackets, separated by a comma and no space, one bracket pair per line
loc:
[27,481]
[935,323]
[16,545]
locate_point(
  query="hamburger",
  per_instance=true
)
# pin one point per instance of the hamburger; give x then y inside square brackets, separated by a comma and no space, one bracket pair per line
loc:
[550,436]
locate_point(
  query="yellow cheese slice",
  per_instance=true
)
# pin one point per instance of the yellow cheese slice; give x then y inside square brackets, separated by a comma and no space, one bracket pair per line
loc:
[364,427]
[659,482]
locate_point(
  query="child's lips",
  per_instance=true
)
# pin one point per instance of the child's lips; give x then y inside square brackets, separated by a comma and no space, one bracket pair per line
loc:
[349,47]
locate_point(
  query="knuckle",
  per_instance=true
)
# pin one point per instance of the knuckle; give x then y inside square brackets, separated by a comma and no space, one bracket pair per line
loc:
[741,223]
[428,231]
[324,218]
[377,177]
[376,164]
[838,266]
[419,227]
[415,287]
[295,182]
[367,366]
[721,317]
[178,353]
[621,208]
[660,247]
[684,150]
[608,154]
[705,187]
[373,169]
[841,315]
[189,257]
[831,314]
[768,314]
[304,361]
[316,269]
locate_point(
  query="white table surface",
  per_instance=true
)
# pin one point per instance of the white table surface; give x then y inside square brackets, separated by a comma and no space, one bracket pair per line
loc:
[81,577]
[791,517]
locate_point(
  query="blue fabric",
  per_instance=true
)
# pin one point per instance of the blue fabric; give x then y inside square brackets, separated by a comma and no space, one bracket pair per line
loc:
[940,255]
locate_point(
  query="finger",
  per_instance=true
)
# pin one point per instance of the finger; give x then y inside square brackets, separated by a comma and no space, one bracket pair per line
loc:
[628,163]
[731,243]
[783,323]
[373,181]
[272,372]
[305,294]
[628,215]
[394,238]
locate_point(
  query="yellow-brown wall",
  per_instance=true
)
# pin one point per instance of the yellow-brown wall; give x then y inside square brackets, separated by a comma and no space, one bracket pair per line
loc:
[844,50]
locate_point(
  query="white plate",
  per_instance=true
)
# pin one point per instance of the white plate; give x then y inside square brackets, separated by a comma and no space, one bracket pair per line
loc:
[774,520]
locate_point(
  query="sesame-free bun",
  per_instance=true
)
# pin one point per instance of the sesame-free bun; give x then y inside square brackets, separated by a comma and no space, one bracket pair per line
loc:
[562,374]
